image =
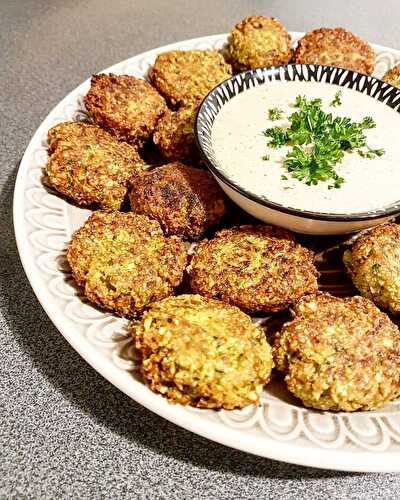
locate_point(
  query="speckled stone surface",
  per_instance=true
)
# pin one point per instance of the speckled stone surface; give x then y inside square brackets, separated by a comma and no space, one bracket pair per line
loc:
[64,431]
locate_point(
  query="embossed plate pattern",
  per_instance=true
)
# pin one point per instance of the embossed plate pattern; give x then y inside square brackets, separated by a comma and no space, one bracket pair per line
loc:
[278,428]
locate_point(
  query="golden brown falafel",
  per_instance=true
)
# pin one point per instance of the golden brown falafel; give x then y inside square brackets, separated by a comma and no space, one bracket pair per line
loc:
[186,201]
[259,41]
[89,165]
[339,354]
[174,134]
[126,106]
[186,76]
[335,47]
[373,264]
[202,352]
[123,261]
[257,268]
[393,76]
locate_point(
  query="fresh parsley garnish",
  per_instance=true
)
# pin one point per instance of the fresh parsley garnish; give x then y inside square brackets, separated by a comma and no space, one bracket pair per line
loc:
[319,141]
[275,114]
[302,102]
[337,101]
[266,157]
[278,137]
[367,122]
[371,153]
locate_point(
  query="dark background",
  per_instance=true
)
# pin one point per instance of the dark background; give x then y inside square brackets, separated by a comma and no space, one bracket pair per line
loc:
[64,431]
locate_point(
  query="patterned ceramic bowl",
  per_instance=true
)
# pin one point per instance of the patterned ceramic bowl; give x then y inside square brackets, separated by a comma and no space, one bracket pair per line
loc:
[260,206]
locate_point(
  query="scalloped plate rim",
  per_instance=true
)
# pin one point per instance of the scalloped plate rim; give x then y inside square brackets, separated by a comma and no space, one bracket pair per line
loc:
[337,459]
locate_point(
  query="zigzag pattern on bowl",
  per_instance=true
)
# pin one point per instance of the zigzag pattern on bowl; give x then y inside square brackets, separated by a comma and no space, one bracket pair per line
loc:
[49,222]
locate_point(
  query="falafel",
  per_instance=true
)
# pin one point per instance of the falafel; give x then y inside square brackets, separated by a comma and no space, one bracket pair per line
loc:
[256,268]
[373,263]
[392,76]
[174,134]
[335,47]
[202,352]
[259,41]
[127,107]
[89,165]
[339,354]
[186,201]
[123,261]
[186,76]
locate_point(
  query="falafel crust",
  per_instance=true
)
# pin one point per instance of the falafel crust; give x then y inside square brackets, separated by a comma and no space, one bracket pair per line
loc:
[174,134]
[393,76]
[185,76]
[203,353]
[259,41]
[335,47]
[186,201]
[123,261]
[339,354]
[89,165]
[256,268]
[373,264]
[126,106]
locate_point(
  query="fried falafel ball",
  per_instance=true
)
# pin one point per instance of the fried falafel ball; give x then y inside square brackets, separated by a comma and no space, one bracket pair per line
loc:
[123,261]
[186,76]
[339,354]
[393,76]
[174,134]
[373,264]
[335,47]
[259,41]
[126,106]
[186,201]
[256,268]
[89,165]
[202,352]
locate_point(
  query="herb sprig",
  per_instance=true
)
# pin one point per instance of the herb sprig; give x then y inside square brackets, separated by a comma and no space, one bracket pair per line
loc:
[337,101]
[275,114]
[319,141]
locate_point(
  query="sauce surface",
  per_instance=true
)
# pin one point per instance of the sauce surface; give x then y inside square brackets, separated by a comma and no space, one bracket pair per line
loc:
[239,145]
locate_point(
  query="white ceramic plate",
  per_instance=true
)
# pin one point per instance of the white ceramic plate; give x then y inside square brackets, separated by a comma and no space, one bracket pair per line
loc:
[277,428]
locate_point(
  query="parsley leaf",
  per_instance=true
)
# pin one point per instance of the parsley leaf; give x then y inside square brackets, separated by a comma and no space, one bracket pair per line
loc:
[303,103]
[275,114]
[337,100]
[371,153]
[367,122]
[278,137]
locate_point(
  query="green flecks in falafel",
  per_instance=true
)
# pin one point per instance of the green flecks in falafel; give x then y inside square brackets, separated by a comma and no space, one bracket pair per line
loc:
[123,262]
[202,352]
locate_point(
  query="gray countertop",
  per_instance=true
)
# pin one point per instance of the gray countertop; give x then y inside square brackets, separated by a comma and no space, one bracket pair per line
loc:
[65,432]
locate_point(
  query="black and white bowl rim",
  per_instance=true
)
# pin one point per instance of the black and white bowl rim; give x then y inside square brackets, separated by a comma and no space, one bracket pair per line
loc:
[237,84]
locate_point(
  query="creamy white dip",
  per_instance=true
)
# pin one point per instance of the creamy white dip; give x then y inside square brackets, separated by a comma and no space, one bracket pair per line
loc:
[239,146]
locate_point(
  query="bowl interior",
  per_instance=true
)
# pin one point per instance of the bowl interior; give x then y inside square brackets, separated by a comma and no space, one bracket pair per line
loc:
[227,90]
